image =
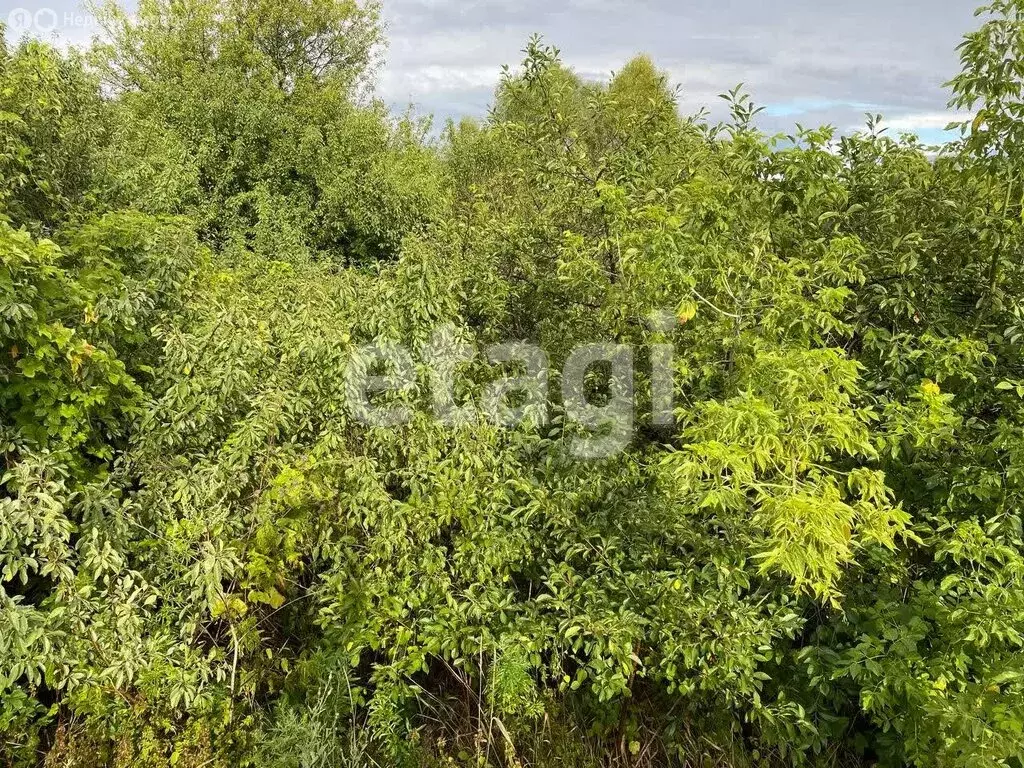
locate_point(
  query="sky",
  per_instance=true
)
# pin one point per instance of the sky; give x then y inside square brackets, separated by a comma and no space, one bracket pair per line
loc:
[806,61]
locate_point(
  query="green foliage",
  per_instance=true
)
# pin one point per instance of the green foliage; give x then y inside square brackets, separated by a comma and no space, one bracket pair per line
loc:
[207,559]
[50,112]
[255,106]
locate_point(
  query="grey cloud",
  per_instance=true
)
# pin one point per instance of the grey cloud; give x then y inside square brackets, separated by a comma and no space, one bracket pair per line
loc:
[809,61]
[895,55]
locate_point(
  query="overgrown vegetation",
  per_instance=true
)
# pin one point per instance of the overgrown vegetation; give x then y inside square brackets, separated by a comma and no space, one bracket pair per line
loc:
[206,560]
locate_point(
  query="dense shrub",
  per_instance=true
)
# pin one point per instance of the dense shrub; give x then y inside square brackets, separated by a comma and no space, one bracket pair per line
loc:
[208,558]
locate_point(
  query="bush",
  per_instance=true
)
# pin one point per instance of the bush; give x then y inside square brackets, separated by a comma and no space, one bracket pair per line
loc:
[207,557]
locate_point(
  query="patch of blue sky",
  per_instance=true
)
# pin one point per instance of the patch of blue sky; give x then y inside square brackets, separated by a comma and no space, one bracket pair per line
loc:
[803,106]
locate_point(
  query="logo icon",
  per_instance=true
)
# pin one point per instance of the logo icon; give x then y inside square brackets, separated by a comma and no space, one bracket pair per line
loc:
[20,20]
[46,20]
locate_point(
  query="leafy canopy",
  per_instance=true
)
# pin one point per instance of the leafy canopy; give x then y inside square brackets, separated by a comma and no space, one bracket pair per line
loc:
[207,558]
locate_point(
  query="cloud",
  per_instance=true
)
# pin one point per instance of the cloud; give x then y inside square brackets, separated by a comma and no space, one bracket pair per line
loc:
[926,121]
[812,61]
[929,127]
[807,61]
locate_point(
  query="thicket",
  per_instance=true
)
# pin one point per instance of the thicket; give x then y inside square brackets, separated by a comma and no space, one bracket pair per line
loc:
[205,560]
